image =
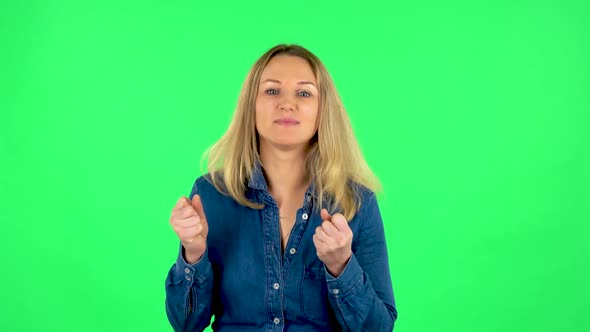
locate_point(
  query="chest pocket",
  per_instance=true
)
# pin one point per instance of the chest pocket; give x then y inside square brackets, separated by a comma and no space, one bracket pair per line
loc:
[314,294]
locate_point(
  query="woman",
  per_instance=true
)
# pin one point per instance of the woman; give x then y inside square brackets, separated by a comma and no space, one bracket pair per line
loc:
[284,232]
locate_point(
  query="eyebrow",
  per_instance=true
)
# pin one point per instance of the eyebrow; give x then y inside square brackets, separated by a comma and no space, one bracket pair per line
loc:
[299,83]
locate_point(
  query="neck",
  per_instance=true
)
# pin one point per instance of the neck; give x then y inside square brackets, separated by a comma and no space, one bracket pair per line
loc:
[284,171]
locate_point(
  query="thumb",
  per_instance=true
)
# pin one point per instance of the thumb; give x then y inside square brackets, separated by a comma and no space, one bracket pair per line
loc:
[340,222]
[325,215]
[198,206]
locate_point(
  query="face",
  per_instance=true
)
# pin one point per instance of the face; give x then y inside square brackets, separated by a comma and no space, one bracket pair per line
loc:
[287,102]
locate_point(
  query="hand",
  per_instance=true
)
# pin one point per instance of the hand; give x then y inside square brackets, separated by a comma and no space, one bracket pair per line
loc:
[333,242]
[190,224]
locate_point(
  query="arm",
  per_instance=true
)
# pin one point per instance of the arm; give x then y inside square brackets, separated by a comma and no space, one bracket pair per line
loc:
[362,295]
[188,294]
[189,290]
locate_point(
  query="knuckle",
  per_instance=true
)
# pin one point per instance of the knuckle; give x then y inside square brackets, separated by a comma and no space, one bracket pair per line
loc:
[187,212]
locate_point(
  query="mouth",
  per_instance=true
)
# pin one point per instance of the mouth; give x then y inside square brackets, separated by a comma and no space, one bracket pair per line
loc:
[287,122]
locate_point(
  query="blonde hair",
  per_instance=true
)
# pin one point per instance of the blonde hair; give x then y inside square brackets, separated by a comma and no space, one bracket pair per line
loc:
[334,162]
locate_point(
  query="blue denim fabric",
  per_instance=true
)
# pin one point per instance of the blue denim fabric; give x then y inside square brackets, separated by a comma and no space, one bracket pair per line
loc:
[248,284]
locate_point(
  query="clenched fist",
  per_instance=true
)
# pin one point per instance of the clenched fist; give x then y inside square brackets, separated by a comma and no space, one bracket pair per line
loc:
[333,242]
[190,224]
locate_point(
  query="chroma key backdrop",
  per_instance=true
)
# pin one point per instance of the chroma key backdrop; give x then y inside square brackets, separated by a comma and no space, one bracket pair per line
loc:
[474,115]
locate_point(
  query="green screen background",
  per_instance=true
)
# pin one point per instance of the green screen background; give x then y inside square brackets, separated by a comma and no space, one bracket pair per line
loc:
[473,115]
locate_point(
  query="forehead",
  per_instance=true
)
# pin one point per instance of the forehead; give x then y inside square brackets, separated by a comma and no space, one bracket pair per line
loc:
[288,67]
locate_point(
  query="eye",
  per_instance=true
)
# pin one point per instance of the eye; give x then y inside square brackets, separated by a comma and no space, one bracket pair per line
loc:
[271,91]
[305,94]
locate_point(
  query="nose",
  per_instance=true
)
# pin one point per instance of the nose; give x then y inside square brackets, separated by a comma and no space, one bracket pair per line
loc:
[286,107]
[287,104]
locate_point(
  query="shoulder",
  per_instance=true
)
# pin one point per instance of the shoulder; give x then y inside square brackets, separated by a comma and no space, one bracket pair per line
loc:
[215,202]
[203,185]
[367,224]
[363,195]
[368,210]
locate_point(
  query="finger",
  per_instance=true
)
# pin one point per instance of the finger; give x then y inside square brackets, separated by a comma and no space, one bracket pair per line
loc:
[319,245]
[321,235]
[181,203]
[325,215]
[188,222]
[191,232]
[340,223]
[187,212]
[329,228]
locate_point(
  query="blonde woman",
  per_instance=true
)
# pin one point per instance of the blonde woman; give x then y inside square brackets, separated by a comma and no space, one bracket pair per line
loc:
[284,232]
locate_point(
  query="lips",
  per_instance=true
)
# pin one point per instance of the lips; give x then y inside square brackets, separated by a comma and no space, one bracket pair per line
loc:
[286,122]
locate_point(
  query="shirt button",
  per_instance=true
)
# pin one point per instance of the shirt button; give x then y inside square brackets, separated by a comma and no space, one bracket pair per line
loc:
[276,285]
[292,251]
[308,198]
[336,291]
[304,216]
[188,278]
[276,320]
[187,270]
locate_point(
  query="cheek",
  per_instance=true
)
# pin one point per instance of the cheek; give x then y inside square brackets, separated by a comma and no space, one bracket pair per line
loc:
[263,105]
[312,112]
[261,113]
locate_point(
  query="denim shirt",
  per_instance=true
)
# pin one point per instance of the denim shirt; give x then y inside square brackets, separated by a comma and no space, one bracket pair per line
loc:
[247,282]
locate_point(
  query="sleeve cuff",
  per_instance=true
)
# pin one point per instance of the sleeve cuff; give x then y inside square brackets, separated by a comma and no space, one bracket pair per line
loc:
[189,272]
[347,281]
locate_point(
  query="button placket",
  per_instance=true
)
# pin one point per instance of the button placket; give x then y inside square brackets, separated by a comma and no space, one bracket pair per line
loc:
[187,276]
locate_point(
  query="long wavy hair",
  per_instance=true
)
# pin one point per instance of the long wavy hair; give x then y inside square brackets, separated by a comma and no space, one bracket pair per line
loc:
[334,162]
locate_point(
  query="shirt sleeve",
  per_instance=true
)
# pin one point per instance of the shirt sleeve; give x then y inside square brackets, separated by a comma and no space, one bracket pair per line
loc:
[189,289]
[362,295]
